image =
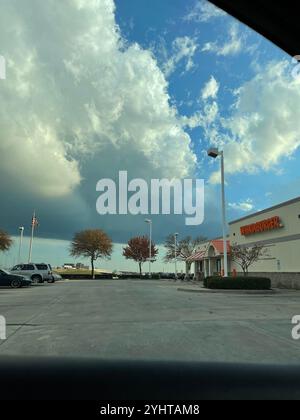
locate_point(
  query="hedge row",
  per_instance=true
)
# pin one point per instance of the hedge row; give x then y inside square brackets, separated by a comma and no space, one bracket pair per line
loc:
[153,276]
[237,283]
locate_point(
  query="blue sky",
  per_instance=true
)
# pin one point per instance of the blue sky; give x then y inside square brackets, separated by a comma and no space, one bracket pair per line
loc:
[153,30]
[94,88]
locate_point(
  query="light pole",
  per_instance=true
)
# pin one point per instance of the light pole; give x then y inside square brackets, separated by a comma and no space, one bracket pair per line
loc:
[214,153]
[21,230]
[150,244]
[175,253]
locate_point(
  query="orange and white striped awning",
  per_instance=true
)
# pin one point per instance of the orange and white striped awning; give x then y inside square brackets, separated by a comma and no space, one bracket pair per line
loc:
[199,256]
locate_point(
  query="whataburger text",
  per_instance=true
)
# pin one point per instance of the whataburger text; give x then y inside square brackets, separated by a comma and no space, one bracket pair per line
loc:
[263,226]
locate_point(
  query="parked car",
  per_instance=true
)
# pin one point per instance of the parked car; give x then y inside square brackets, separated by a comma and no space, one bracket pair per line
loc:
[51,278]
[13,280]
[56,276]
[38,273]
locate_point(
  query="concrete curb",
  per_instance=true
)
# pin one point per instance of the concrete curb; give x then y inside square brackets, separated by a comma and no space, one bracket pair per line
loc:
[234,292]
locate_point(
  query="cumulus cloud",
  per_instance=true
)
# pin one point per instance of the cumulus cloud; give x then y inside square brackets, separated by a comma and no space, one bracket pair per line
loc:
[205,118]
[244,206]
[74,88]
[184,49]
[204,11]
[209,114]
[211,89]
[264,126]
[234,44]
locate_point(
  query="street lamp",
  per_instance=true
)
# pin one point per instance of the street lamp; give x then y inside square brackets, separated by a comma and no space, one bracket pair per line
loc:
[214,153]
[175,253]
[150,244]
[21,230]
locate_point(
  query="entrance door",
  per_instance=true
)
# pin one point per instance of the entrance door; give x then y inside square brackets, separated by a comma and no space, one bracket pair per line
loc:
[219,266]
[201,268]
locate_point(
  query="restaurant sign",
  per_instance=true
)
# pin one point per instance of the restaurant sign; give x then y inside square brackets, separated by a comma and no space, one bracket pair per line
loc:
[265,225]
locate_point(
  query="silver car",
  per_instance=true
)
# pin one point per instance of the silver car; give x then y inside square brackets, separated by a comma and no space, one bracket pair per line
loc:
[38,273]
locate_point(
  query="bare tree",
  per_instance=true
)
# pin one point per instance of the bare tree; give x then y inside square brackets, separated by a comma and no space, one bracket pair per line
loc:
[246,256]
[138,250]
[91,244]
[5,241]
[185,249]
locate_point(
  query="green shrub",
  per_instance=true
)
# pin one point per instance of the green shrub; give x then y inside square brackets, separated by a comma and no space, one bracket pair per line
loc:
[206,280]
[237,283]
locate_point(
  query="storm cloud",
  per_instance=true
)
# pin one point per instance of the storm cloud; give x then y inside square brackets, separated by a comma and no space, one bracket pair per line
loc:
[79,104]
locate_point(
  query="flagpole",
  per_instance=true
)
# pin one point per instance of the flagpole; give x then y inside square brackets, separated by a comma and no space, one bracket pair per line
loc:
[31,239]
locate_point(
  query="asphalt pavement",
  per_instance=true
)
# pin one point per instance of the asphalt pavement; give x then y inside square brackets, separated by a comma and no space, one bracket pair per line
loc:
[148,320]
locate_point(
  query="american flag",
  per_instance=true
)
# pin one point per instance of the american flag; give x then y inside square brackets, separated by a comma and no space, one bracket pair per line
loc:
[34,222]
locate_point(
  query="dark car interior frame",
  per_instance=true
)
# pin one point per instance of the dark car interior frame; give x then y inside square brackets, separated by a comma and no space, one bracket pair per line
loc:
[82,379]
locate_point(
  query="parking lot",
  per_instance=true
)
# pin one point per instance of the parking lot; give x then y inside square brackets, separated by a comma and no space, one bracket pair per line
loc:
[149,320]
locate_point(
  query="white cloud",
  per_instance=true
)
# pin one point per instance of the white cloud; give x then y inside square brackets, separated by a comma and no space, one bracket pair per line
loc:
[203,119]
[184,49]
[244,206]
[264,127]
[74,87]
[35,159]
[208,117]
[209,114]
[204,11]
[211,89]
[232,46]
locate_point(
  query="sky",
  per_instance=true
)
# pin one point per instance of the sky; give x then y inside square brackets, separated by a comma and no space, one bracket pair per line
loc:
[96,87]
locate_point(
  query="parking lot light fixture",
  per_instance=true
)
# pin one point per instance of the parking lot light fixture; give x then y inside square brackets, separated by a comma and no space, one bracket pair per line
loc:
[214,153]
[21,230]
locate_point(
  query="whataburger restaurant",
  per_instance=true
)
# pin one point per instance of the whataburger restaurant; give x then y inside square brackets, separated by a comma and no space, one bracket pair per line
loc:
[277,228]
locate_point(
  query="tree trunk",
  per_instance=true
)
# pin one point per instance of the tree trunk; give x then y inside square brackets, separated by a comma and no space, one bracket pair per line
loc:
[140,267]
[93,268]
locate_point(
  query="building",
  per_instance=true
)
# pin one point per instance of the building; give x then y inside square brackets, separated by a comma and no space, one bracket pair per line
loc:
[276,228]
[80,266]
[68,266]
[209,259]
